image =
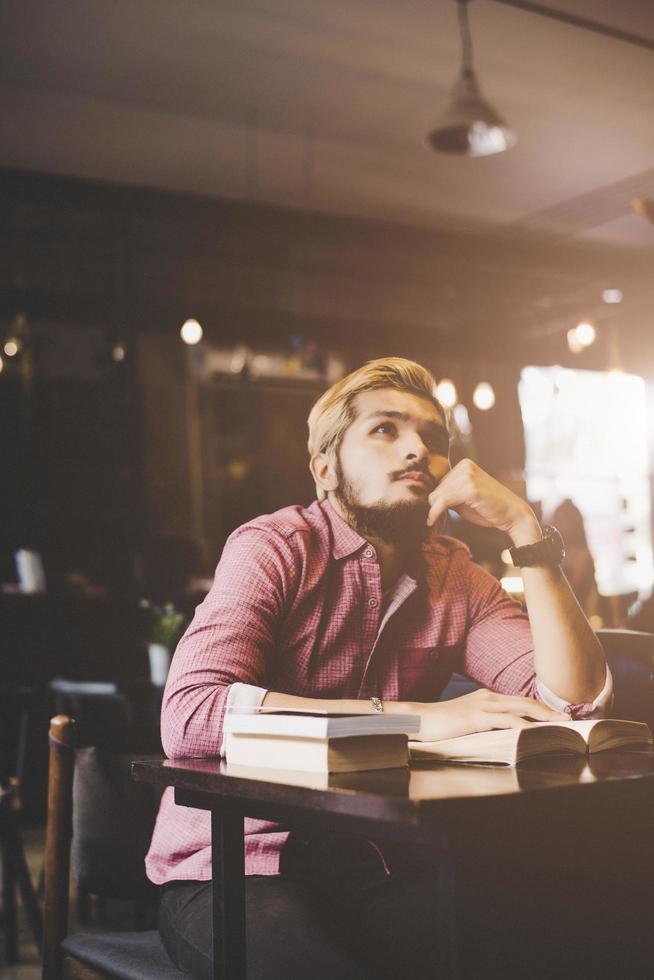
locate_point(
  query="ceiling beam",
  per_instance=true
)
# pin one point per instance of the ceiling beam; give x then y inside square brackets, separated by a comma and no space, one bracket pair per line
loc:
[575,21]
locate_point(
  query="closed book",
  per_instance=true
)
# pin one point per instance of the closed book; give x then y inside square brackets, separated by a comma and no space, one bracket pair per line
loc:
[347,753]
[318,724]
[510,746]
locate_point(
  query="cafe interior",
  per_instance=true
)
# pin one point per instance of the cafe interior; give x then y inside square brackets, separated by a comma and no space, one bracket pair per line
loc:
[213,211]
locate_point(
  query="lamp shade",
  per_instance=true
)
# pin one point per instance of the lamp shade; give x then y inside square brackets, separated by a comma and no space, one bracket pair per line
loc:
[470,126]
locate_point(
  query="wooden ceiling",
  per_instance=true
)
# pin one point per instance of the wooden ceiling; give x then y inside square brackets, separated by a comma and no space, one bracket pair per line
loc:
[324,107]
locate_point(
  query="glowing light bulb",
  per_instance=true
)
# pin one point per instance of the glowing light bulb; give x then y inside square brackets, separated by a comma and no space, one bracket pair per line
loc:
[585,333]
[573,341]
[446,393]
[462,419]
[118,353]
[191,332]
[11,347]
[612,295]
[483,396]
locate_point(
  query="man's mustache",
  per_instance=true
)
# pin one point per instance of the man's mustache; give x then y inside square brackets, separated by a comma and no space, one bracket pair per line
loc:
[417,468]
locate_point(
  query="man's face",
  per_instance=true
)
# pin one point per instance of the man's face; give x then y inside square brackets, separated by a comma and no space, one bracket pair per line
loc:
[392,456]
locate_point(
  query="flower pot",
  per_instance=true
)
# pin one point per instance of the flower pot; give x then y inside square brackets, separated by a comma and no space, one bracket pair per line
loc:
[159,656]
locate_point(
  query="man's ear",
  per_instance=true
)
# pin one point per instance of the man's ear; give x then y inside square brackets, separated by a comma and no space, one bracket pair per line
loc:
[323,471]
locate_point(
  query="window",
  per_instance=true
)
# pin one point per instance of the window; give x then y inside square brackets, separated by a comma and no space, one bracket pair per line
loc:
[586,435]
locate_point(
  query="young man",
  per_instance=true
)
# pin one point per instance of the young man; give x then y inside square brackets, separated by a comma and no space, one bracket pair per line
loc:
[358,603]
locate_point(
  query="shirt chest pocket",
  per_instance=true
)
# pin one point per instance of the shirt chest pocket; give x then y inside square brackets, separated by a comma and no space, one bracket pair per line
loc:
[423,672]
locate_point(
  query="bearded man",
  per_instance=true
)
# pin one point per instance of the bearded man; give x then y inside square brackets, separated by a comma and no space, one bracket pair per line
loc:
[358,603]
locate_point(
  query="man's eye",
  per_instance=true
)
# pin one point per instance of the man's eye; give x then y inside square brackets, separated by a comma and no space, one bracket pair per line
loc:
[386,428]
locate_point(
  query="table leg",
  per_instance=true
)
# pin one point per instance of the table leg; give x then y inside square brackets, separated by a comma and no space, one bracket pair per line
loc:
[228,869]
[447,913]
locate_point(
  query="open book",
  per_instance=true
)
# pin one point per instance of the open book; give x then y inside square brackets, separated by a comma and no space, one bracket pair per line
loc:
[510,746]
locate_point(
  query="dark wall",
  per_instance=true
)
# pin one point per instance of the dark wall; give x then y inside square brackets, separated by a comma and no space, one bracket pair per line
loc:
[98,450]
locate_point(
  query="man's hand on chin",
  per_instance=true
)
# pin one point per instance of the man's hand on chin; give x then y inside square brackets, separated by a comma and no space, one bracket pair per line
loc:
[481,499]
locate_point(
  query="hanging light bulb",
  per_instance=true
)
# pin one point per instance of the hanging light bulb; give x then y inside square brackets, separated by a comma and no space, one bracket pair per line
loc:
[446,393]
[191,332]
[573,343]
[585,333]
[470,126]
[12,346]
[483,397]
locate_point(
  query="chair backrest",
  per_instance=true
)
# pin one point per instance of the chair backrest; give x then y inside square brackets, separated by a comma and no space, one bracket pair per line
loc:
[95,705]
[94,804]
[630,655]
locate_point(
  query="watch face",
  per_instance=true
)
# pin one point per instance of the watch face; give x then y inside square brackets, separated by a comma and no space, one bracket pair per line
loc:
[555,545]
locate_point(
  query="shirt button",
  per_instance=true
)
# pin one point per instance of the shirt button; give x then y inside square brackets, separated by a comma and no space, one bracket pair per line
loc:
[368,553]
[372,602]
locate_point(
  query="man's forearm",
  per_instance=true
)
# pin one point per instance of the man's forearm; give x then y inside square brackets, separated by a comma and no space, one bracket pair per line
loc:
[568,657]
[273,699]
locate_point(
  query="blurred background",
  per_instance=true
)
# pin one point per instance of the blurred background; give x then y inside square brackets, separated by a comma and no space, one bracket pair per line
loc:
[210,211]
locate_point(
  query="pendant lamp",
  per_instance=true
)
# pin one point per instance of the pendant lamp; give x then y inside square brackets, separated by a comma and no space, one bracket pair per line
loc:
[470,126]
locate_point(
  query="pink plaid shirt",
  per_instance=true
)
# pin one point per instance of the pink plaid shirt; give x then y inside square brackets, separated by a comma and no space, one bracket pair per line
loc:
[297,607]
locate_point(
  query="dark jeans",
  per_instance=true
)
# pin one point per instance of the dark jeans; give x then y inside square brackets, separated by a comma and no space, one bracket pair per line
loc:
[335,912]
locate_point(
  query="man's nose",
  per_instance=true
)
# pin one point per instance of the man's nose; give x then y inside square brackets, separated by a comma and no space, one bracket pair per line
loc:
[415,448]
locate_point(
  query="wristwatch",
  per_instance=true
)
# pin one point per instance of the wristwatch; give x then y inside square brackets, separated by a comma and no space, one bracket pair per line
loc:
[549,551]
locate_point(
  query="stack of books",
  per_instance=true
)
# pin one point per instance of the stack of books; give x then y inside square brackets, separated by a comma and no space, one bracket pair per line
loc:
[318,741]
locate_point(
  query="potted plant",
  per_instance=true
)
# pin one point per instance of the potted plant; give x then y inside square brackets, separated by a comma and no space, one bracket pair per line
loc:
[167,626]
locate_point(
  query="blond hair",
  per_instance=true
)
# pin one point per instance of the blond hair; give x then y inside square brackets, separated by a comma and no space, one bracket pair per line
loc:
[334,411]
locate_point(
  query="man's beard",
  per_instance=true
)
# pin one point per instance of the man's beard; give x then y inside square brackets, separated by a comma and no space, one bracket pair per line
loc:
[401,524]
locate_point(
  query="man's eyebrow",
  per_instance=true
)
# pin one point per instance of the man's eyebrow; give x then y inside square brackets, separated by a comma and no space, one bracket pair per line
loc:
[402,417]
[434,424]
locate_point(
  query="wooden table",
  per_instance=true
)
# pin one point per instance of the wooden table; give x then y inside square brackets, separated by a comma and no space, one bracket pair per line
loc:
[544,871]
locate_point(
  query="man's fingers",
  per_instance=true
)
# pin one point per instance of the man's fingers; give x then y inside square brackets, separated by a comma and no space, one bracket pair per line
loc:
[447,494]
[440,505]
[436,512]
[525,707]
[490,719]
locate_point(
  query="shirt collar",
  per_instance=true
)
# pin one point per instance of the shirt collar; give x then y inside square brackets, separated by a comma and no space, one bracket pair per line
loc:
[345,540]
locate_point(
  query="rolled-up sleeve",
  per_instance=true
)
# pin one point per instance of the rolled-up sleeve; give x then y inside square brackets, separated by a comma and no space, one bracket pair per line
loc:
[598,708]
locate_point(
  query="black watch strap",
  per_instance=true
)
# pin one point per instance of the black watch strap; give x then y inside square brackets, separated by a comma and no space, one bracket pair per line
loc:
[549,551]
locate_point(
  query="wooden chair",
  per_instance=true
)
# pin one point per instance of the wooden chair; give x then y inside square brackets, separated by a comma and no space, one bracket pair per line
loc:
[105,955]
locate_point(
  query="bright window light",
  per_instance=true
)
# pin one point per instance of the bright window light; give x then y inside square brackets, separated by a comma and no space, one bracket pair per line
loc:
[586,436]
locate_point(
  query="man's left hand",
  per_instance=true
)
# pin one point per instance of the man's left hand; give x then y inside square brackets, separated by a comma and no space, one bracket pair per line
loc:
[480,499]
